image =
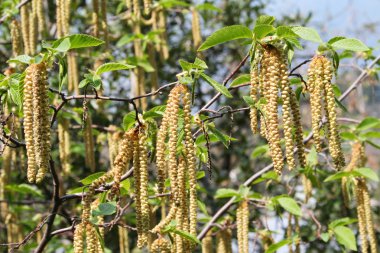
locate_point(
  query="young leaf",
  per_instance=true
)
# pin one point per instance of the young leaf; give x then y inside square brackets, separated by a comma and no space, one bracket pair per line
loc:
[274,247]
[337,175]
[368,173]
[350,44]
[220,88]
[261,31]
[105,209]
[225,34]
[242,79]
[89,179]
[187,236]
[345,237]
[80,41]
[112,66]
[367,123]
[64,46]
[290,205]
[25,59]
[260,150]
[265,20]
[307,33]
[129,120]
[226,193]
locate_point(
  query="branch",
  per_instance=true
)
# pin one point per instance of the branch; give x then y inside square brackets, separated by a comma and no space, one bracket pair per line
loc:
[22,3]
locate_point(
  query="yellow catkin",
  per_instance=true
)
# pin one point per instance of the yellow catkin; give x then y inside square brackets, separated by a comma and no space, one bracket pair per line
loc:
[95,17]
[65,12]
[144,195]
[334,136]
[242,217]
[368,218]
[103,10]
[297,229]
[58,13]
[91,239]
[196,29]
[266,239]
[147,6]
[161,23]
[161,147]
[64,145]
[16,38]
[78,238]
[271,65]
[24,12]
[286,93]
[361,218]
[36,121]
[289,233]
[72,73]
[224,241]
[123,240]
[153,62]
[161,245]
[89,144]
[41,16]
[207,243]
[125,154]
[33,29]
[253,93]
[315,86]
[180,217]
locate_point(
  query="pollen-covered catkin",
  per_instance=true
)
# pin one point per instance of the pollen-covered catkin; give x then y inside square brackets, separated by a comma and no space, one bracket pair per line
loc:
[161,245]
[368,216]
[89,144]
[180,217]
[103,11]
[123,240]
[36,121]
[271,79]
[242,222]
[41,16]
[161,147]
[24,12]
[334,136]
[224,241]
[78,238]
[287,114]
[253,93]
[95,17]
[16,38]
[196,29]
[207,243]
[64,145]
[147,6]
[33,29]
[315,86]
[361,217]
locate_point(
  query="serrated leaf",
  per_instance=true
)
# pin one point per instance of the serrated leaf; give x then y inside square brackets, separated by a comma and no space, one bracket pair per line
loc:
[249,100]
[337,176]
[80,41]
[260,31]
[25,59]
[290,205]
[345,237]
[368,173]
[221,137]
[280,244]
[89,179]
[285,32]
[220,88]
[307,33]
[129,120]
[225,34]
[374,135]
[348,136]
[325,237]
[200,64]
[155,112]
[112,66]
[104,209]
[226,193]
[242,79]
[187,235]
[260,150]
[350,44]
[265,20]
[367,123]
[64,46]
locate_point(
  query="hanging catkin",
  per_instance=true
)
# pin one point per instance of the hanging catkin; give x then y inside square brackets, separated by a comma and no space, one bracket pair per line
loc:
[271,77]
[207,243]
[253,93]
[242,222]
[95,17]
[89,144]
[196,29]
[123,240]
[33,28]
[103,11]
[64,145]
[224,241]
[24,10]
[161,245]
[16,38]
[36,121]
[41,16]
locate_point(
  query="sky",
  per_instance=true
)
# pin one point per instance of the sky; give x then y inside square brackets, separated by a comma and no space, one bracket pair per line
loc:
[335,17]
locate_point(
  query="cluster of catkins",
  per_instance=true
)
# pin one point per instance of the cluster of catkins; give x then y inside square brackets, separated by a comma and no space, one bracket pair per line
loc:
[179,169]
[36,121]
[322,95]
[223,240]
[269,78]
[363,206]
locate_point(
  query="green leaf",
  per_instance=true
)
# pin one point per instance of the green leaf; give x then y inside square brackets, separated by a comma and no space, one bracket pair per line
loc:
[155,112]
[242,79]
[370,135]
[220,88]
[325,237]
[187,236]
[373,144]
[80,41]
[24,189]
[307,33]
[202,207]
[64,46]
[345,237]
[285,32]
[261,31]
[337,176]
[280,244]
[89,179]
[350,44]
[221,137]
[226,193]
[200,64]
[290,205]
[25,59]
[105,209]
[112,66]
[185,65]
[129,120]
[368,173]
[265,20]
[335,39]
[342,222]
[249,100]
[367,123]
[312,157]
[348,136]
[260,150]
[208,7]
[225,34]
